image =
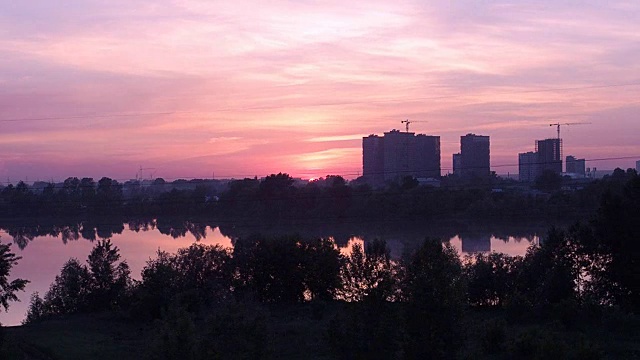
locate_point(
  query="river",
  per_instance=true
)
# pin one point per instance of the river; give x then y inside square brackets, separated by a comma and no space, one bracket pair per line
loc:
[44,255]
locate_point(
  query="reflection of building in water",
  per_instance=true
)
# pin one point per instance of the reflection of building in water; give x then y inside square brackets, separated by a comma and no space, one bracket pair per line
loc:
[474,244]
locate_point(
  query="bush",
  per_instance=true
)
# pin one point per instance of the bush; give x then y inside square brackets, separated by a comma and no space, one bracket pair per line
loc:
[238,331]
[493,339]
[365,330]
[175,336]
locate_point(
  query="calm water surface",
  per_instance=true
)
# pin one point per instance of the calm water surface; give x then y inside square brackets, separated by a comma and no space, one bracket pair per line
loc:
[43,256]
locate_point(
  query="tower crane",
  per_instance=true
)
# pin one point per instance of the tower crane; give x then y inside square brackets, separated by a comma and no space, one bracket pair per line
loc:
[407,122]
[573,123]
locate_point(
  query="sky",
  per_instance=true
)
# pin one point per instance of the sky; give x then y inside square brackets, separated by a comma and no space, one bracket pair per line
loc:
[201,88]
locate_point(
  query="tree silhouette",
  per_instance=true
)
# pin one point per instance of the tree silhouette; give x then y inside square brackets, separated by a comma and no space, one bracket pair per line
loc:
[8,289]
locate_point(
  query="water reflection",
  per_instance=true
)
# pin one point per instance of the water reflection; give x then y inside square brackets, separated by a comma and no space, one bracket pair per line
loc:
[510,245]
[465,237]
[139,239]
[24,232]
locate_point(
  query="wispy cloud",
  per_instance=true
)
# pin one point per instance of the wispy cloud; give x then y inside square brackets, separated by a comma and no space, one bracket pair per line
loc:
[257,82]
[336,138]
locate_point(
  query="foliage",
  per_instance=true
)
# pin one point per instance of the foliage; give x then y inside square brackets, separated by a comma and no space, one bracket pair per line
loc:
[549,181]
[237,331]
[37,309]
[286,269]
[200,275]
[434,291]
[175,336]
[549,274]
[8,289]
[369,274]
[617,245]
[366,330]
[110,279]
[232,332]
[277,198]
[103,285]
[491,278]
[493,337]
[70,290]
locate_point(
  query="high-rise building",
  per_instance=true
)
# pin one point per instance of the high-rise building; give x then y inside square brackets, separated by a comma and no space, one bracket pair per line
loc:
[397,148]
[528,169]
[425,156]
[474,156]
[575,166]
[398,154]
[457,164]
[549,155]
[373,159]
[638,166]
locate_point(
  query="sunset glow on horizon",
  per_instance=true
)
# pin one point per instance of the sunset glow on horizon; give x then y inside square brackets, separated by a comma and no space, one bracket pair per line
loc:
[195,88]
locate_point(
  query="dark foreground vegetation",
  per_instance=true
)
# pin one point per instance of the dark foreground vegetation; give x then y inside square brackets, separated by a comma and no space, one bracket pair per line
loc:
[278,199]
[576,296]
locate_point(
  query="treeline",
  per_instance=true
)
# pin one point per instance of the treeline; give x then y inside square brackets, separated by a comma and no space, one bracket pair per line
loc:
[208,301]
[92,228]
[106,197]
[276,199]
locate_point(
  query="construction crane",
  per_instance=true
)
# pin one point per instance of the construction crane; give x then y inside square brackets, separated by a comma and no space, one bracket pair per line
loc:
[407,122]
[573,123]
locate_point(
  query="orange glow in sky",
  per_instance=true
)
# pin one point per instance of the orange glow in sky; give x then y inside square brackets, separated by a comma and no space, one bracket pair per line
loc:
[245,88]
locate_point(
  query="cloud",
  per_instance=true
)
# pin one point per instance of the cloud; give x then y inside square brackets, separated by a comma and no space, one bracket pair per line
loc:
[220,139]
[275,79]
[336,138]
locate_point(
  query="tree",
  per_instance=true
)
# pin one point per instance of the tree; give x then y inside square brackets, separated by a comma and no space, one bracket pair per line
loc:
[270,268]
[8,289]
[434,290]
[549,181]
[286,269]
[204,270]
[110,279]
[321,263]
[368,274]
[68,293]
[490,278]
[101,285]
[108,195]
[617,245]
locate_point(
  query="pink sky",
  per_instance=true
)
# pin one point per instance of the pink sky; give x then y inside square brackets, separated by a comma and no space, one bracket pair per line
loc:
[192,87]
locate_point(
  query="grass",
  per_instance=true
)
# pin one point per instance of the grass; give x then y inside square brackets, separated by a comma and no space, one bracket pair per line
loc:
[300,332]
[96,336]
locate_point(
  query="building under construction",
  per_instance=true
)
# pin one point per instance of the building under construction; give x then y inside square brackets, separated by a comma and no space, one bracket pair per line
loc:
[547,157]
[474,160]
[398,154]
